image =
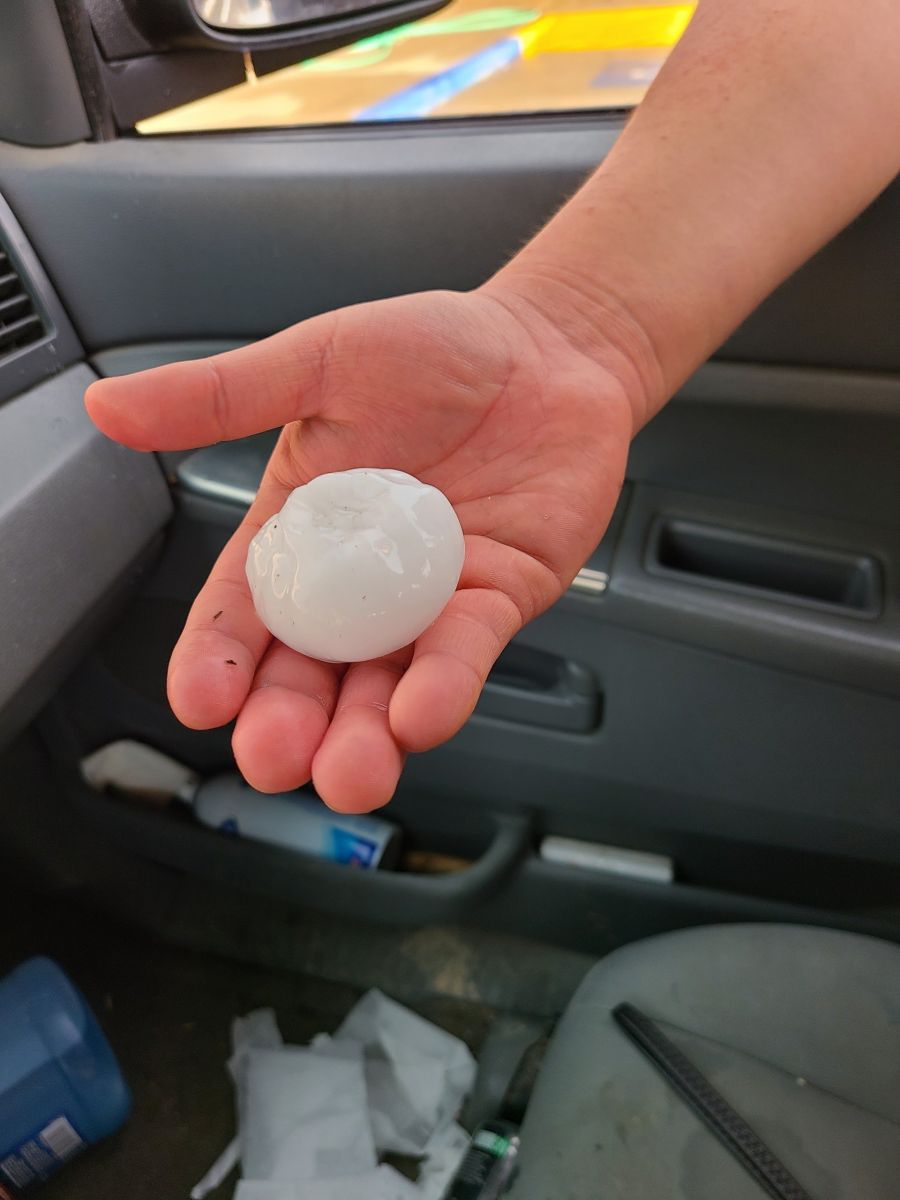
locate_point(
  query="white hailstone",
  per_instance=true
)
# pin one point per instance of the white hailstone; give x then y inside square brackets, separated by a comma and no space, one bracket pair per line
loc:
[356,565]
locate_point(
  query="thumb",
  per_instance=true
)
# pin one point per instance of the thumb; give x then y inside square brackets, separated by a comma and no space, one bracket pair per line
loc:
[187,404]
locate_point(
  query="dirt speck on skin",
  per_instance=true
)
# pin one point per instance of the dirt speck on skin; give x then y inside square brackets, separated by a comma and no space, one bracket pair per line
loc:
[218,614]
[231,662]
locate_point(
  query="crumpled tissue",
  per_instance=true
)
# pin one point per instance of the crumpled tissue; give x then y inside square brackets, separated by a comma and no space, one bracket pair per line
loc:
[313,1120]
[417,1075]
[257,1031]
[384,1183]
[304,1114]
[444,1152]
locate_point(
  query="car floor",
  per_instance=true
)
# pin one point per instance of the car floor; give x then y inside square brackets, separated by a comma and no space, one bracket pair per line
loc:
[166,961]
[167,1013]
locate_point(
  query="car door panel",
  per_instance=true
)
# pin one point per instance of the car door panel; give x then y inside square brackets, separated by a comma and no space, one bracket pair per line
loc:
[236,236]
[78,517]
[751,736]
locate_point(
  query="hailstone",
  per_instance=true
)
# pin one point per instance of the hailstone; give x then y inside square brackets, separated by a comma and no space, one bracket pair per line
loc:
[357,564]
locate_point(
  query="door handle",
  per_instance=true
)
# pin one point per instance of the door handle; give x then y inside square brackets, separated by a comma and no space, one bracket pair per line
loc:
[532,687]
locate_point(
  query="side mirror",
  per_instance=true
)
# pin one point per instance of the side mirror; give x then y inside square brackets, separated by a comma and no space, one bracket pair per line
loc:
[157,55]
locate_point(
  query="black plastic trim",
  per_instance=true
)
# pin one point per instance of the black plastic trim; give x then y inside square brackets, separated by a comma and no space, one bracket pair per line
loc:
[389,896]
[86,61]
[822,641]
[723,1121]
[59,347]
[173,23]
[40,98]
[750,564]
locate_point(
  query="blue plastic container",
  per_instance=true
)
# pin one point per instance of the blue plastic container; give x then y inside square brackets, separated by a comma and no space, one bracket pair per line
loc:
[60,1086]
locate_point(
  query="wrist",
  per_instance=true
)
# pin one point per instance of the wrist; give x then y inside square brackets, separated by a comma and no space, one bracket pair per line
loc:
[591,322]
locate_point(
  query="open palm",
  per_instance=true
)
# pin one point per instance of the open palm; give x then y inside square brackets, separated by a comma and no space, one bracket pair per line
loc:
[525,436]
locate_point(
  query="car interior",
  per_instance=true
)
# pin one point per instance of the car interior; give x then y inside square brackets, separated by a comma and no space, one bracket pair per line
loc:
[681,787]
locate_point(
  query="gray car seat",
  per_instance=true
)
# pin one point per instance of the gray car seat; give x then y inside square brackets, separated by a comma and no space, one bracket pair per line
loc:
[797,1027]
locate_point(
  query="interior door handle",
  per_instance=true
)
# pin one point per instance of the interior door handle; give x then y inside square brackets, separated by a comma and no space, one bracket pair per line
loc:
[737,561]
[532,687]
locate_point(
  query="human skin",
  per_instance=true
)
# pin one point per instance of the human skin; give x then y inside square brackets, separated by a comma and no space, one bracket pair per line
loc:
[772,125]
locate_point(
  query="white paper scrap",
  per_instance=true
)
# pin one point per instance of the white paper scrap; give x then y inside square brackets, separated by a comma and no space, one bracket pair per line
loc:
[264,1189]
[384,1183]
[311,1120]
[304,1115]
[218,1172]
[417,1075]
[445,1151]
[258,1029]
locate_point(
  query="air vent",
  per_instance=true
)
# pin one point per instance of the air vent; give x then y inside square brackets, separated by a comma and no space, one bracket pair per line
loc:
[20,322]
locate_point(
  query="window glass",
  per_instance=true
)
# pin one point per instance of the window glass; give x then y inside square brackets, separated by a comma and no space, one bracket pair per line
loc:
[472,58]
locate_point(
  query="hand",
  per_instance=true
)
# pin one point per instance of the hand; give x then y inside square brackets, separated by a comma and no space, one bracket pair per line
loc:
[477,394]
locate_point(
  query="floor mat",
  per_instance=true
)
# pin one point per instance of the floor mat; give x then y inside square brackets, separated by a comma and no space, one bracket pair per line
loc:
[167,1013]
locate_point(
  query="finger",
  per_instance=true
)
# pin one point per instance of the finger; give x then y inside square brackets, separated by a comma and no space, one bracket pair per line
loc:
[452,659]
[359,763]
[284,719]
[500,589]
[182,405]
[215,659]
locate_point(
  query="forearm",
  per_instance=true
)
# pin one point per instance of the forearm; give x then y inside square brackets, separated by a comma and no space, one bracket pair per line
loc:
[773,123]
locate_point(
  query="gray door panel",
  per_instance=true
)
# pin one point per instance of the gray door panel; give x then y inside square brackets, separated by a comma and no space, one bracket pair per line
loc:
[741,713]
[732,700]
[78,516]
[238,236]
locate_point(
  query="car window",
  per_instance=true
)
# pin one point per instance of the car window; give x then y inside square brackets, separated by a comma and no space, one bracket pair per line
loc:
[472,58]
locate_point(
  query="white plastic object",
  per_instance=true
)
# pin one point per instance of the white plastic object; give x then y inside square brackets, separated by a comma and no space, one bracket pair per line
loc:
[139,770]
[356,565]
[297,821]
[610,860]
